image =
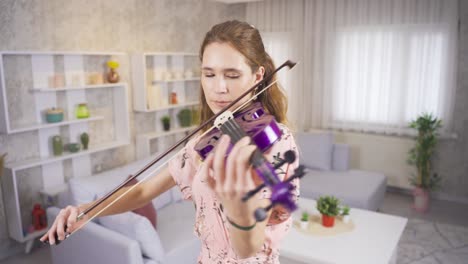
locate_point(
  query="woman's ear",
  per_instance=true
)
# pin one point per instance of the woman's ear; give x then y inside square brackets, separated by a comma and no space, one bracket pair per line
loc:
[259,74]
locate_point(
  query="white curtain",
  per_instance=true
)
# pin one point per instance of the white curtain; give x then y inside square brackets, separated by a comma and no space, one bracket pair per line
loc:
[367,65]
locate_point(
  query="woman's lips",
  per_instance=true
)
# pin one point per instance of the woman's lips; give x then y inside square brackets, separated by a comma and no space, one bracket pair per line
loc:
[222,104]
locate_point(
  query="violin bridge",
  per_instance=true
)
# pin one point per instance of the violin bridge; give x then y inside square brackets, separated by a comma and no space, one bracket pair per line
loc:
[223,118]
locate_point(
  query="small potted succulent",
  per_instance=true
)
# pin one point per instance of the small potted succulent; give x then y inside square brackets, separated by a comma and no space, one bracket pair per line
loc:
[329,207]
[166,121]
[345,214]
[304,220]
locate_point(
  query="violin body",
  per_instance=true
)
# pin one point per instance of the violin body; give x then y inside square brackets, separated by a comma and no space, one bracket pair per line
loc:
[261,127]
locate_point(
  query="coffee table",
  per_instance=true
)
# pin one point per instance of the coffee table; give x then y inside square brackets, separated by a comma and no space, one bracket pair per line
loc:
[373,240]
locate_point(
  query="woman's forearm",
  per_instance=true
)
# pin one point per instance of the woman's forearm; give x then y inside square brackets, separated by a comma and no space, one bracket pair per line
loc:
[136,198]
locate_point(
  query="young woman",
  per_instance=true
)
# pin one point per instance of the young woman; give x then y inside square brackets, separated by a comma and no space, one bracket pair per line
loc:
[233,59]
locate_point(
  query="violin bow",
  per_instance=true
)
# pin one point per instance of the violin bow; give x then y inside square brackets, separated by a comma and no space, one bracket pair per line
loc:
[288,64]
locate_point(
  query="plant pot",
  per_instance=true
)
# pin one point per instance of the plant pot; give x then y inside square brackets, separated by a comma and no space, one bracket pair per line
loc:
[328,221]
[345,219]
[304,224]
[421,200]
[54,115]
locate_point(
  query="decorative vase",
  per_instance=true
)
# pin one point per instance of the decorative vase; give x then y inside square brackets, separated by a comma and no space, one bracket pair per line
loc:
[57,145]
[328,221]
[84,137]
[304,224]
[82,111]
[173,98]
[54,115]
[421,200]
[113,76]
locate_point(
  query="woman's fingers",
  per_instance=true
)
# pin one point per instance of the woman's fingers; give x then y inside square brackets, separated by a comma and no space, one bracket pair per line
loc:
[207,164]
[243,168]
[74,211]
[234,169]
[61,224]
[219,160]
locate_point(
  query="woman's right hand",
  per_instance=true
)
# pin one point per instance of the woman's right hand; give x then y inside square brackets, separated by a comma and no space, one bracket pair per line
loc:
[65,223]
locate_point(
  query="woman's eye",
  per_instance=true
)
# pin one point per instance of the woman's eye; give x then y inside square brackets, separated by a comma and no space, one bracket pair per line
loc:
[209,75]
[232,76]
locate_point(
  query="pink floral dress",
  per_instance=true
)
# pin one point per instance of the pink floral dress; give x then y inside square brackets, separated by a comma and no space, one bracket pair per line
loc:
[210,221]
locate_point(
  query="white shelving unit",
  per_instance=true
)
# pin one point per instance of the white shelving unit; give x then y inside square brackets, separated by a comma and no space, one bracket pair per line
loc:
[155,77]
[27,74]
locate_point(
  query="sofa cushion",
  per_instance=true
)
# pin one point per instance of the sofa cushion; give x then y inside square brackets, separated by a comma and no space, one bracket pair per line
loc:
[359,189]
[148,210]
[315,149]
[138,228]
[175,226]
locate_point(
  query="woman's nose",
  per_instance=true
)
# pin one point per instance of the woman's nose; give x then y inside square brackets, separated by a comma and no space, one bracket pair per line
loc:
[221,85]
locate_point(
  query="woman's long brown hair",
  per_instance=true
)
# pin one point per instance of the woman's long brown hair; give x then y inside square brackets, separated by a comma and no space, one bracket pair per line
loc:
[247,40]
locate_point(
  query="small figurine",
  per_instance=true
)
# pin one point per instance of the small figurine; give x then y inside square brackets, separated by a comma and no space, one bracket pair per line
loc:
[39,217]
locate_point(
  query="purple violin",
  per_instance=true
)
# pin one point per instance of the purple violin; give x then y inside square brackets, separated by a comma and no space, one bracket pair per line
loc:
[262,128]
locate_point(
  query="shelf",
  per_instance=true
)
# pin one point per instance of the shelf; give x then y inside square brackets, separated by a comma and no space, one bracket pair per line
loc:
[94,86]
[154,135]
[24,164]
[177,80]
[32,127]
[170,107]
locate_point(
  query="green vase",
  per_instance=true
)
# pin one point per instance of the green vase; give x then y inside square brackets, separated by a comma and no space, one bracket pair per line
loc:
[84,140]
[57,145]
[82,111]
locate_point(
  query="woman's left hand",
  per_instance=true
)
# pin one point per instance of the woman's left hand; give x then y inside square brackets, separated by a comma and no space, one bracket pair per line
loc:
[232,178]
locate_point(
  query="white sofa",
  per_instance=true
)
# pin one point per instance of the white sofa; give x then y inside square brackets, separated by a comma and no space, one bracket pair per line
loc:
[112,240]
[330,173]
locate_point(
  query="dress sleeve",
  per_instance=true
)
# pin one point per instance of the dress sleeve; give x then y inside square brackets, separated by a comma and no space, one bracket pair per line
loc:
[274,155]
[183,169]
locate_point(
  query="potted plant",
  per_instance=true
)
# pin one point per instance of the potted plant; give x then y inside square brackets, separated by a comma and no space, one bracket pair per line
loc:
[304,220]
[185,117]
[345,214]
[166,120]
[420,156]
[329,207]
[2,160]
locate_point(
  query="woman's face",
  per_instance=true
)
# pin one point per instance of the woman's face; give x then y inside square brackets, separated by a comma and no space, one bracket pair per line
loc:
[226,75]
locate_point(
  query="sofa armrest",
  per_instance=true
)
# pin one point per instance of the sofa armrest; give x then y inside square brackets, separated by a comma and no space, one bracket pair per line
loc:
[340,157]
[94,244]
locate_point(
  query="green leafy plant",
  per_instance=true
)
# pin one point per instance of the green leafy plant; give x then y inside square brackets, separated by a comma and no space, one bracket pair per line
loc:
[345,210]
[420,155]
[305,216]
[185,117]
[328,205]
